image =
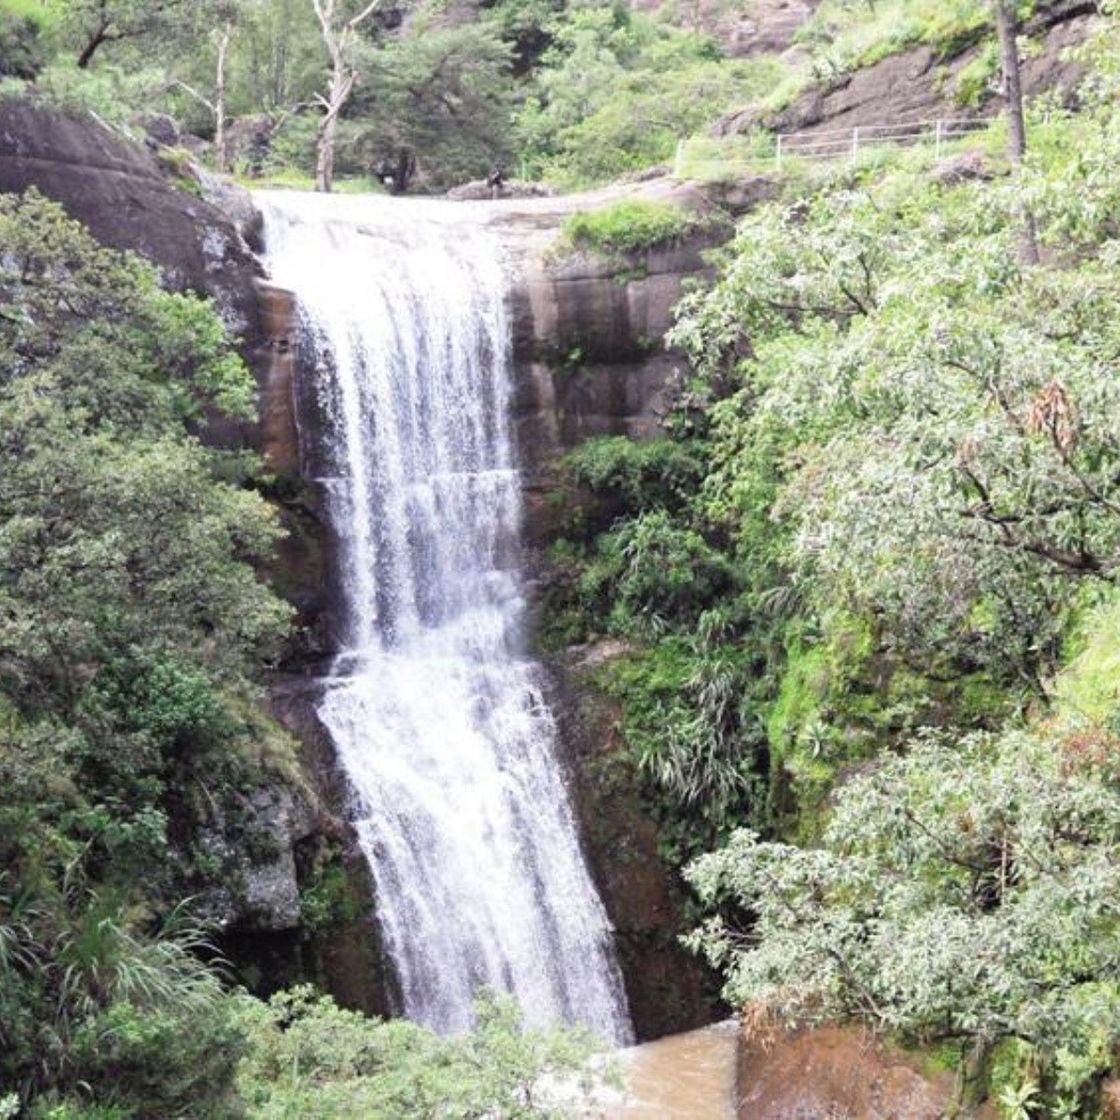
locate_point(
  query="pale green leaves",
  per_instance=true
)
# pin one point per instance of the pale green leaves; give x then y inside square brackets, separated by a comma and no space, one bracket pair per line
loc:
[965,890]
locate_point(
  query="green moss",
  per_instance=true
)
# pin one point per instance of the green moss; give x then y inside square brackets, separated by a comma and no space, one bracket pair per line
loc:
[178,165]
[631,225]
[942,1058]
[328,900]
[1089,686]
[818,694]
[1012,1065]
[840,699]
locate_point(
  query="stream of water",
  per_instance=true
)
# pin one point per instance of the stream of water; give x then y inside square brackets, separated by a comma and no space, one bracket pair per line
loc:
[684,1077]
[437,712]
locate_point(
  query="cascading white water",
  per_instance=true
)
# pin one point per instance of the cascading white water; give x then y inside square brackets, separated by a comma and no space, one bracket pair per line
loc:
[436,711]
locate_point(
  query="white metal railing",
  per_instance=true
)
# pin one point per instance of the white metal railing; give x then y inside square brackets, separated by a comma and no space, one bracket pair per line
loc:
[837,143]
[845,143]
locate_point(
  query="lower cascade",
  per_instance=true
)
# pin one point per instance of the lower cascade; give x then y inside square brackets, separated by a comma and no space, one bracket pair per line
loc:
[435,708]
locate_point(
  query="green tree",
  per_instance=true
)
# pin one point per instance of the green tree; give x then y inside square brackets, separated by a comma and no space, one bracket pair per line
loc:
[91,24]
[339,31]
[946,459]
[964,892]
[132,623]
[436,98]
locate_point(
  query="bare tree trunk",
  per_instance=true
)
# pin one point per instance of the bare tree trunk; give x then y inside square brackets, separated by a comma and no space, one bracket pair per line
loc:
[1007,27]
[220,97]
[342,82]
[95,40]
[339,41]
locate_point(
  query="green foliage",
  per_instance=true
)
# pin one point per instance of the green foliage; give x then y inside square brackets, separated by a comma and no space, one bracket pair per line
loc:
[616,90]
[309,1057]
[975,81]
[921,458]
[637,475]
[845,35]
[111,92]
[870,311]
[631,225]
[1089,686]
[134,1018]
[654,572]
[132,623]
[327,899]
[86,26]
[962,891]
[441,92]
[688,727]
[23,27]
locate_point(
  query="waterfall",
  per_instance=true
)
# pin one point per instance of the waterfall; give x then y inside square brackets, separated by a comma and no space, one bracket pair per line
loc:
[437,712]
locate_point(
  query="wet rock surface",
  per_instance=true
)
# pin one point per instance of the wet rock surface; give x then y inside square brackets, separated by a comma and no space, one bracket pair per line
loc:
[837,1073]
[667,988]
[588,330]
[260,886]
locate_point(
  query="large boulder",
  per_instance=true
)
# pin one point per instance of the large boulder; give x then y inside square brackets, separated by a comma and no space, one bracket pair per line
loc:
[830,1073]
[119,190]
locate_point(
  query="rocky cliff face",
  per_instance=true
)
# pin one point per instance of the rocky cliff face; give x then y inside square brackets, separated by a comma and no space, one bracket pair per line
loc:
[761,27]
[920,84]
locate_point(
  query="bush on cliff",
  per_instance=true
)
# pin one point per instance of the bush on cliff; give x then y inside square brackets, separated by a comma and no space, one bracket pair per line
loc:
[629,226]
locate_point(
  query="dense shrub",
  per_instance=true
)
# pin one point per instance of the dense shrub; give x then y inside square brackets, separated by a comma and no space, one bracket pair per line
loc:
[629,226]
[132,623]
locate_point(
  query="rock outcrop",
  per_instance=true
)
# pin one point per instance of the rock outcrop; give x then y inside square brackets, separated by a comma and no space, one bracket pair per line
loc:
[762,27]
[120,192]
[480,190]
[668,990]
[839,1073]
[129,200]
[260,884]
[920,84]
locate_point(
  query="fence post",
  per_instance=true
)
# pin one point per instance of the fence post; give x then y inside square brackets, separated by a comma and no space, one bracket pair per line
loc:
[855,143]
[778,152]
[937,142]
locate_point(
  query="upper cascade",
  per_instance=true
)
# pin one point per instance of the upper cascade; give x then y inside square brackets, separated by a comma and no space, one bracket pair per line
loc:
[436,709]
